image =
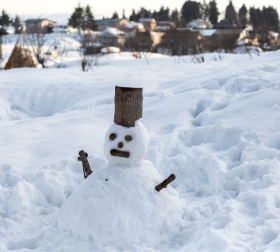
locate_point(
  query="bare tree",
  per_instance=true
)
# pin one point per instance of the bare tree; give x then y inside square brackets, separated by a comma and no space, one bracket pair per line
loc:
[225,41]
[141,45]
[38,37]
[89,51]
[183,42]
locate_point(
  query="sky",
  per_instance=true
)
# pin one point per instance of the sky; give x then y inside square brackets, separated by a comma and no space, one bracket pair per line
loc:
[41,8]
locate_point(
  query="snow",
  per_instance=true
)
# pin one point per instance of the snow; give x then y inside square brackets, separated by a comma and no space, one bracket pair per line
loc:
[110,49]
[113,30]
[163,28]
[115,214]
[207,32]
[133,24]
[214,125]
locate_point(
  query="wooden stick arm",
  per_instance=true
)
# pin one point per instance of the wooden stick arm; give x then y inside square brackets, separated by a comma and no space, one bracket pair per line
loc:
[165,182]
[86,167]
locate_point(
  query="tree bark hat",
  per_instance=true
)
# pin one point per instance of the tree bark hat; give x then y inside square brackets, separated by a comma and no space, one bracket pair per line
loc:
[128,105]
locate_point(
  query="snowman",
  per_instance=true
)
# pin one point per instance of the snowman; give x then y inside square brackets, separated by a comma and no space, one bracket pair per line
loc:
[118,206]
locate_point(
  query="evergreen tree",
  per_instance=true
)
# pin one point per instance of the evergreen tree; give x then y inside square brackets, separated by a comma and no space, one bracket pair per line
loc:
[115,15]
[174,17]
[4,19]
[123,14]
[162,14]
[89,22]
[266,19]
[204,10]
[17,24]
[213,12]
[155,15]
[271,19]
[257,21]
[242,15]
[143,13]
[76,19]
[230,16]
[82,18]
[190,11]
[132,17]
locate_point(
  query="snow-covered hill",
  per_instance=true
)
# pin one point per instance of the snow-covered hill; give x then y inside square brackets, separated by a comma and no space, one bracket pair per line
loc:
[214,125]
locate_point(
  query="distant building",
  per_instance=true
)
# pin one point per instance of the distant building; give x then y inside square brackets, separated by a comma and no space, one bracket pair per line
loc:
[143,42]
[133,27]
[149,23]
[3,31]
[220,39]
[181,41]
[39,25]
[267,40]
[199,24]
[111,22]
[165,26]
[60,28]
[224,24]
[113,37]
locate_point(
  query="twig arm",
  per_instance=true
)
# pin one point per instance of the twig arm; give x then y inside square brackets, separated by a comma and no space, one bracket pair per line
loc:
[165,182]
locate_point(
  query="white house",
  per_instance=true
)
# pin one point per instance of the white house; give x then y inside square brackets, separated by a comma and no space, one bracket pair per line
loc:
[199,24]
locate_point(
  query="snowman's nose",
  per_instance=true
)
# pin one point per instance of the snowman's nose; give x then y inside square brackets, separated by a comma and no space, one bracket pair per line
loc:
[120,144]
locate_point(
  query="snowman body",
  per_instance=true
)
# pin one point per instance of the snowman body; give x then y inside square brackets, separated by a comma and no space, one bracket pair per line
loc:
[118,206]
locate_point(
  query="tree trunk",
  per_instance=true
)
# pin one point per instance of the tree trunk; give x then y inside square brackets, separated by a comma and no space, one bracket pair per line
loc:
[128,105]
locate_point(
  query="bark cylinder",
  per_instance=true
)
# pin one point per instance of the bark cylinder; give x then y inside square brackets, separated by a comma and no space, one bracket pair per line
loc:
[128,105]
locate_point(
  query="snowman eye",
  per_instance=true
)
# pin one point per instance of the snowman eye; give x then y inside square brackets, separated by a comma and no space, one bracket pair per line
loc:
[128,138]
[112,136]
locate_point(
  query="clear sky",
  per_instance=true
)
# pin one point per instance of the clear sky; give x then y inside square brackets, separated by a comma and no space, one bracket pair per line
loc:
[46,8]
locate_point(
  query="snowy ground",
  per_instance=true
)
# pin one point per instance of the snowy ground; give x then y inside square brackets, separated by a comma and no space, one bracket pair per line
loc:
[215,125]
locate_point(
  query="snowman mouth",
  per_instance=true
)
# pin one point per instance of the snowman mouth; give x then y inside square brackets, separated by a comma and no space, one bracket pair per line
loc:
[118,153]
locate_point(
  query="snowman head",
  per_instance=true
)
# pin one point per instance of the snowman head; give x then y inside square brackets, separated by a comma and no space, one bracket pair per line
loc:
[126,146]
[127,140]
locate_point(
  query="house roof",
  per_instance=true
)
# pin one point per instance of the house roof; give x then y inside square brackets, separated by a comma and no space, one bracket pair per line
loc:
[147,20]
[207,32]
[165,23]
[112,32]
[37,20]
[228,31]
[132,25]
[108,21]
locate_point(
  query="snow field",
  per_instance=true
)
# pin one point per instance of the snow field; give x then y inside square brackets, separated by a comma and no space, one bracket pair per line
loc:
[214,125]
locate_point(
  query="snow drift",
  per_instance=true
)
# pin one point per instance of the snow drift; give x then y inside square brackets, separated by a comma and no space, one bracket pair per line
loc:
[214,125]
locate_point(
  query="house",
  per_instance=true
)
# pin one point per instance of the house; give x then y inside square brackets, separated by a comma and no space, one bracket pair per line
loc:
[164,26]
[181,41]
[133,27]
[91,42]
[3,31]
[149,23]
[225,24]
[39,25]
[267,40]
[199,24]
[104,23]
[61,29]
[226,39]
[113,37]
[143,41]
